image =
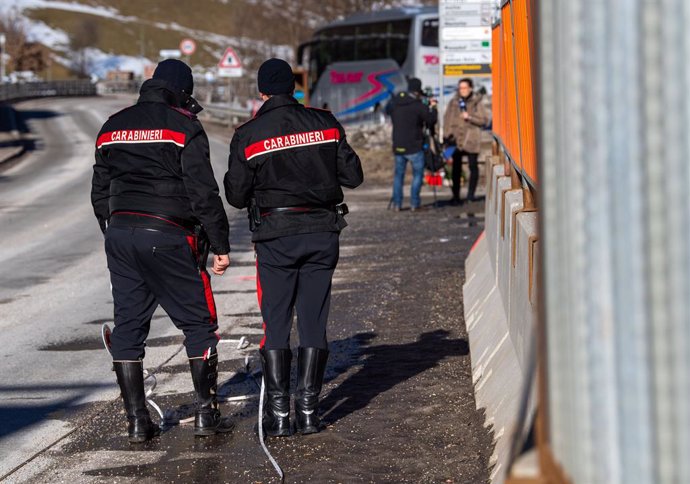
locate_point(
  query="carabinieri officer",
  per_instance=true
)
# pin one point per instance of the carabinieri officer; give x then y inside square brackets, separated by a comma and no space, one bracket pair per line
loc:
[288,165]
[157,202]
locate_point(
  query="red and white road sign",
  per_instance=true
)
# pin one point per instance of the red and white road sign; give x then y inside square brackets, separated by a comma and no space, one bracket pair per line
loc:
[230,59]
[187,46]
[230,64]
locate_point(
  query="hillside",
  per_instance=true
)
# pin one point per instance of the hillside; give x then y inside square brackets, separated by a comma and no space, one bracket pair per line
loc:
[122,34]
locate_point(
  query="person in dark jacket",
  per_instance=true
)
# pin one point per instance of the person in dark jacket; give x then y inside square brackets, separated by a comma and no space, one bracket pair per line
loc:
[288,165]
[409,115]
[157,202]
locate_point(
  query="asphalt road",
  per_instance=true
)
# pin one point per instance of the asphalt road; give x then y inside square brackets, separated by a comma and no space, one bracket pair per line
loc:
[54,284]
[399,401]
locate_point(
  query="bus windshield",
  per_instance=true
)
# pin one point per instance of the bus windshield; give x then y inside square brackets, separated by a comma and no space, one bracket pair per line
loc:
[370,41]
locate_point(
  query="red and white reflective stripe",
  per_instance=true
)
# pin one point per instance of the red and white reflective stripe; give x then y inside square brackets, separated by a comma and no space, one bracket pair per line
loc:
[288,141]
[208,292]
[131,136]
[260,297]
[207,353]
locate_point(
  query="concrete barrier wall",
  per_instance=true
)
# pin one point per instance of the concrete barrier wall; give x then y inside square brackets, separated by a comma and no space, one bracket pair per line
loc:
[511,204]
[500,300]
[498,182]
[522,314]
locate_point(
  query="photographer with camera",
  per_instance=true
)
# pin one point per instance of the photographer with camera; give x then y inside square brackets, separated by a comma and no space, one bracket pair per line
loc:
[157,202]
[410,112]
[462,124]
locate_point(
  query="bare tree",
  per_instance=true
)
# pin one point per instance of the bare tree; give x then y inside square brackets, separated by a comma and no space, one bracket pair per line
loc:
[85,35]
[32,57]
[15,37]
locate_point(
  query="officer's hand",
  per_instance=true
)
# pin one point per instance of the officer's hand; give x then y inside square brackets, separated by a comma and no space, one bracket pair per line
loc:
[220,263]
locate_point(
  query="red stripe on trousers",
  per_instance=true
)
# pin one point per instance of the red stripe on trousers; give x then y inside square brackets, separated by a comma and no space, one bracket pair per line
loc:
[259,296]
[208,292]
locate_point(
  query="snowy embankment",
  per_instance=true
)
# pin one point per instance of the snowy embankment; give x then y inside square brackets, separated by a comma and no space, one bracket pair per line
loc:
[101,62]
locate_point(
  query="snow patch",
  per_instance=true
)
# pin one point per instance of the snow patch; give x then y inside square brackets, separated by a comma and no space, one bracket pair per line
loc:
[37,31]
[101,62]
[22,5]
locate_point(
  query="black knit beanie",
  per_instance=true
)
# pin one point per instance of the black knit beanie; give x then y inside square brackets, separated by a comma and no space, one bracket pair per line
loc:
[414,85]
[276,77]
[176,73]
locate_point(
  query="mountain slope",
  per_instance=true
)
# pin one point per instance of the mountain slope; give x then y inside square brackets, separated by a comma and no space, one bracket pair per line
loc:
[128,35]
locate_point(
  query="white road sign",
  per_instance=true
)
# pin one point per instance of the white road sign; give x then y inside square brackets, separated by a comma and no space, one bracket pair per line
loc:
[472,57]
[466,13]
[467,45]
[466,33]
[170,54]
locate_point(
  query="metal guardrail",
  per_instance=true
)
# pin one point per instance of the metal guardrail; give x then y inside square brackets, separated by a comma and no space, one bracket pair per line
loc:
[11,92]
[226,115]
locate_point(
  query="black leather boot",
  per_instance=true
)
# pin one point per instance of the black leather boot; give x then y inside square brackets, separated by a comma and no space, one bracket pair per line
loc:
[276,369]
[311,365]
[207,418]
[130,377]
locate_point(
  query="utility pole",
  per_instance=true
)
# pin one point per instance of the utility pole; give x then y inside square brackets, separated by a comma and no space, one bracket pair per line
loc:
[3,39]
[142,41]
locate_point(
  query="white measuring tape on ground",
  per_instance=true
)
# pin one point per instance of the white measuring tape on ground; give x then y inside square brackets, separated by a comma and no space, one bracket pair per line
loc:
[105,335]
[261,431]
[150,377]
[242,343]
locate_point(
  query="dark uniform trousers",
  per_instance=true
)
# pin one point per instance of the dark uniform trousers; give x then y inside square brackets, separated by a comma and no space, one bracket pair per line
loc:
[457,170]
[151,267]
[296,270]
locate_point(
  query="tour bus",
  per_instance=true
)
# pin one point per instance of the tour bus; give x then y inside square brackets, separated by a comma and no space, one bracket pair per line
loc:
[355,64]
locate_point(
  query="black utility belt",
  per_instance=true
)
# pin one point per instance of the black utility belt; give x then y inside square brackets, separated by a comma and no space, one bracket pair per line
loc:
[338,209]
[144,219]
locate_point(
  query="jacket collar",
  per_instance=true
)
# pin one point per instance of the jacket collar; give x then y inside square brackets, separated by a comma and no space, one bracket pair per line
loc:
[157,91]
[469,98]
[277,101]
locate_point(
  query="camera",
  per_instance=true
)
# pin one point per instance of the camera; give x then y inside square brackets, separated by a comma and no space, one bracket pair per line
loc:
[427,96]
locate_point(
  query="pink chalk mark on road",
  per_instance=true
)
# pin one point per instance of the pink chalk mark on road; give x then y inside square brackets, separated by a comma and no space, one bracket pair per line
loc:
[246,278]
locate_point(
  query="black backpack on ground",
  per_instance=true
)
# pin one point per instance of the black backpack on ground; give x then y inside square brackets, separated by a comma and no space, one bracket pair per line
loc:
[433,153]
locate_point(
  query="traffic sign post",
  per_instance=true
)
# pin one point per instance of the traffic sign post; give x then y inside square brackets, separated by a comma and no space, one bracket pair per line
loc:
[187,47]
[465,37]
[230,66]
[464,40]
[2,58]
